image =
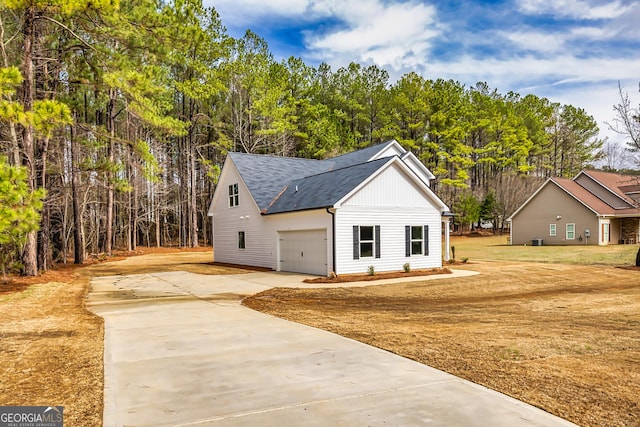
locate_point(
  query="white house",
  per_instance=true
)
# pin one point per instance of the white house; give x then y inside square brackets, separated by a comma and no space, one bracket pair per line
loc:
[372,207]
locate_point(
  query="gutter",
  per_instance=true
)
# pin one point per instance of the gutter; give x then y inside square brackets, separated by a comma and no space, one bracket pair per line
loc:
[333,239]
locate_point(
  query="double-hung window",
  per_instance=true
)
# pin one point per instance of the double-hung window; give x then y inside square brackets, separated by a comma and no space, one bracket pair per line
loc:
[571,231]
[366,241]
[552,230]
[416,240]
[233,195]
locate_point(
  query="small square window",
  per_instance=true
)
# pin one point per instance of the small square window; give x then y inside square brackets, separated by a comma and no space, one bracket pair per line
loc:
[241,240]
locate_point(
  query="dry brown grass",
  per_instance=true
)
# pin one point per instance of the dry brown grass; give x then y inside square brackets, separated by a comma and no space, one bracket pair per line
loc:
[51,347]
[561,337]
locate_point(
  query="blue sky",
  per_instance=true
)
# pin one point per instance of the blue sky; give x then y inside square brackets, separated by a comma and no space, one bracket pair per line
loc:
[570,51]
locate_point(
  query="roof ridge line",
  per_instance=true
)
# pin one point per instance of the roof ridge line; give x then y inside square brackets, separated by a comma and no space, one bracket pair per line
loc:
[605,188]
[345,167]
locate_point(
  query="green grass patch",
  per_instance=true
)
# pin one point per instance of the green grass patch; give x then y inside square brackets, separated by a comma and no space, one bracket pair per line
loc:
[495,248]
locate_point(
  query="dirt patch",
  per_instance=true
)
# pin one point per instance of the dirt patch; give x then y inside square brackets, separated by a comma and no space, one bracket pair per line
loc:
[51,347]
[346,278]
[560,337]
[631,267]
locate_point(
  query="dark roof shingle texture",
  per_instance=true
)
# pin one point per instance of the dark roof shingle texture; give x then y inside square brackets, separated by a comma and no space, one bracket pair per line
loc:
[323,190]
[270,177]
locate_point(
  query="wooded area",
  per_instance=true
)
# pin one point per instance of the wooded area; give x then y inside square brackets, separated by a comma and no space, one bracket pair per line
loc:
[124,111]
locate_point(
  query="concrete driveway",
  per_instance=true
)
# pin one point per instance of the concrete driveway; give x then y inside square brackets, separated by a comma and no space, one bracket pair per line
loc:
[180,350]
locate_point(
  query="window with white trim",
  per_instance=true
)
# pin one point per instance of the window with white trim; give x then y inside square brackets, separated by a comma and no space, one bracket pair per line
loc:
[416,240]
[571,231]
[552,230]
[366,241]
[233,195]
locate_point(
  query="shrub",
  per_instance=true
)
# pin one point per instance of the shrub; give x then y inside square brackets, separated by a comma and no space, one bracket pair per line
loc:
[406,267]
[371,270]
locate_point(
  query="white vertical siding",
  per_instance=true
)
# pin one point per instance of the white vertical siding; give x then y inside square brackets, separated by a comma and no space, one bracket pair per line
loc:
[392,188]
[392,200]
[392,222]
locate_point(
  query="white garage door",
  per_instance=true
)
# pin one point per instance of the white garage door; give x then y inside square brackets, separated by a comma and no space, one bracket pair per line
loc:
[304,251]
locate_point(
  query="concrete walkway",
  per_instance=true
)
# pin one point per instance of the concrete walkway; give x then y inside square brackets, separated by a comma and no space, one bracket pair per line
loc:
[180,350]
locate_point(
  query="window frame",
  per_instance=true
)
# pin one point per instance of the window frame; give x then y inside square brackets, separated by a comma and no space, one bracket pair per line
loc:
[369,242]
[358,241]
[415,240]
[573,231]
[553,230]
[234,196]
[242,240]
[410,240]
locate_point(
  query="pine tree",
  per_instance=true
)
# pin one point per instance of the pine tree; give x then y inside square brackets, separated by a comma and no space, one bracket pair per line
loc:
[19,211]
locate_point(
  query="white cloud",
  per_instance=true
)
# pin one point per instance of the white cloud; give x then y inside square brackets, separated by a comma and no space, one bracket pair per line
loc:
[245,12]
[396,35]
[578,9]
[536,41]
[520,72]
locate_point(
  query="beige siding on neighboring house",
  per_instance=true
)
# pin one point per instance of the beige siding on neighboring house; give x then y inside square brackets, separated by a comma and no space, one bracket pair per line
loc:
[552,205]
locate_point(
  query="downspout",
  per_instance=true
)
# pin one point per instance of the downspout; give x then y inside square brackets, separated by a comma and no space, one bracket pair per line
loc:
[333,239]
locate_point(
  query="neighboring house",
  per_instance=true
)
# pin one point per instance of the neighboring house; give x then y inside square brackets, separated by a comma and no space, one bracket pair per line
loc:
[372,207]
[592,208]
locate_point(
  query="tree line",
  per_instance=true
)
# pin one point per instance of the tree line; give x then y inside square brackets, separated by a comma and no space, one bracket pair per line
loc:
[119,115]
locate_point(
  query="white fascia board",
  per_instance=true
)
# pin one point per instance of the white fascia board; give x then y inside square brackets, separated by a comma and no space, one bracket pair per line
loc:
[410,157]
[396,148]
[411,174]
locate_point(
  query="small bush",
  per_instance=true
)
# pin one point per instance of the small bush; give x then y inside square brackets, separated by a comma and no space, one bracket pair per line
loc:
[371,270]
[464,260]
[406,267]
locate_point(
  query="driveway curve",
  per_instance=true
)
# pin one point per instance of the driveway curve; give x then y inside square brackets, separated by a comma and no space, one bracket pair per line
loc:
[180,350]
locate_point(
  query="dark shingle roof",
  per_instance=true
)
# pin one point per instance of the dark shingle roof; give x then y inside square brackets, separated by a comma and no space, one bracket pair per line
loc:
[267,176]
[359,156]
[323,190]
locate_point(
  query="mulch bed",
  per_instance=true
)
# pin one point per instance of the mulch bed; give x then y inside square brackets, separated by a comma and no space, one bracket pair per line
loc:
[345,278]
